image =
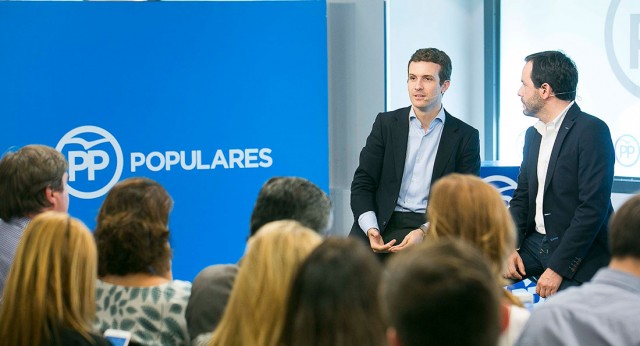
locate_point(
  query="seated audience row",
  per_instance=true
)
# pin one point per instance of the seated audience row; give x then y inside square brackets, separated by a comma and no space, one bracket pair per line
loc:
[291,287]
[135,291]
[453,216]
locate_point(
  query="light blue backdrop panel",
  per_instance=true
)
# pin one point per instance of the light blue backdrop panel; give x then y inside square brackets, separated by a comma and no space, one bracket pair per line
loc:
[208,98]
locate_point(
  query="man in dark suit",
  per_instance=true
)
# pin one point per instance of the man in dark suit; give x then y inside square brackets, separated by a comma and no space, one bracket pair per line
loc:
[407,151]
[562,204]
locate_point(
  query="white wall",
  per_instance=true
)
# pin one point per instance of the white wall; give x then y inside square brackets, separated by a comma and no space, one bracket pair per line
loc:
[355,33]
[454,26]
[597,35]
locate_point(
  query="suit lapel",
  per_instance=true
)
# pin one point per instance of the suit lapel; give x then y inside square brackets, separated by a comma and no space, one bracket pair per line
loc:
[447,144]
[566,125]
[534,151]
[400,140]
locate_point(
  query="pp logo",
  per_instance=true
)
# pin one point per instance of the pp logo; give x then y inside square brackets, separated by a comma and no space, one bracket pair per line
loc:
[505,186]
[622,42]
[89,150]
[627,150]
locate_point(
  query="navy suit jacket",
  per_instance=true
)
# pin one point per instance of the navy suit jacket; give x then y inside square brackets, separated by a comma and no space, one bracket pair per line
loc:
[376,182]
[577,194]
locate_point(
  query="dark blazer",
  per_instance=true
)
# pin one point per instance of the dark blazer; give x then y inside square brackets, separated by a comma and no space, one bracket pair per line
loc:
[577,194]
[210,294]
[376,182]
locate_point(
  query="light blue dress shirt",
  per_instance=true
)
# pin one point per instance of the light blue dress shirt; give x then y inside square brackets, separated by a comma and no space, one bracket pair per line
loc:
[604,311]
[10,234]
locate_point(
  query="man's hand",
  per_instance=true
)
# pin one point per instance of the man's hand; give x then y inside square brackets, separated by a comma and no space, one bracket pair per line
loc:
[515,267]
[377,244]
[548,283]
[414,237]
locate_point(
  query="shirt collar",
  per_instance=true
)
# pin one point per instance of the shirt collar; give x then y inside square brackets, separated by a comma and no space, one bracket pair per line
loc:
[618,278]
[554,124]
[441,115]
[21,221]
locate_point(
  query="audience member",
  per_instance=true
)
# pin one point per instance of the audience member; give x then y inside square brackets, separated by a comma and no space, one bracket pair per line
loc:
[135,290]
[292,198]
[256,309]
[280,198]
[604,311]
[49,298]
[441,293]
[465,207]
[32,180]
[334,298]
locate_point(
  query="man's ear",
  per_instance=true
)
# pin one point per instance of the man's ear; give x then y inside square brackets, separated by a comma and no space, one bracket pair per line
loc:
[392,337]
[50,196]
[56,200]
[445,86]
[546,91]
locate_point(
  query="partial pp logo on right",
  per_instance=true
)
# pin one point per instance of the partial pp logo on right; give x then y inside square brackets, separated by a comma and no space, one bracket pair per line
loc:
[504,184]
[627,150]
[622,42]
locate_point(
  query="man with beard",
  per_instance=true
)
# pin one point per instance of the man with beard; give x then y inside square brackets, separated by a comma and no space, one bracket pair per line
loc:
[562,204]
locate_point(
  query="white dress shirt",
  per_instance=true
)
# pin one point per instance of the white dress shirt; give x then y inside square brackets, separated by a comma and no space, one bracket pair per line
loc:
[549,133]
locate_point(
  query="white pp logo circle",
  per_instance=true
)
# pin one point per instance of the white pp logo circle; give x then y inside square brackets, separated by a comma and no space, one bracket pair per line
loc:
[91,158]
[627,150]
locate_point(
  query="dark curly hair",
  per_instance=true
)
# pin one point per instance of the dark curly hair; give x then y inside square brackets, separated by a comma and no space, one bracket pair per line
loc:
[132,233]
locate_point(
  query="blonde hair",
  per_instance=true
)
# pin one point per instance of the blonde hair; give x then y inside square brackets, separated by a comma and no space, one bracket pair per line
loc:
[465,207]
[51,284]
[256,309]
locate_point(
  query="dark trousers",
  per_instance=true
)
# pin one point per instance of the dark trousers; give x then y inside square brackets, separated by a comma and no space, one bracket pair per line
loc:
[400,224]
[535,255]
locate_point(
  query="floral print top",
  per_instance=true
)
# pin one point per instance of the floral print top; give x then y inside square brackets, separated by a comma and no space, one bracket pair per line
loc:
[154,315]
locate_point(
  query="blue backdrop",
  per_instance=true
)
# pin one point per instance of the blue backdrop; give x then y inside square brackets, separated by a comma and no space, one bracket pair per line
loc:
[209,98]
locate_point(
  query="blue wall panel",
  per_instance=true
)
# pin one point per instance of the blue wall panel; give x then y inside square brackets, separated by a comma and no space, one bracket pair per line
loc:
[238,89]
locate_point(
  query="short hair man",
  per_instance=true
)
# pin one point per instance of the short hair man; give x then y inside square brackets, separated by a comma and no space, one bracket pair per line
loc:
[291,198]
[441,293]
[406,152]
[562,203]
[32,180]
[604,311]
[279,198]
